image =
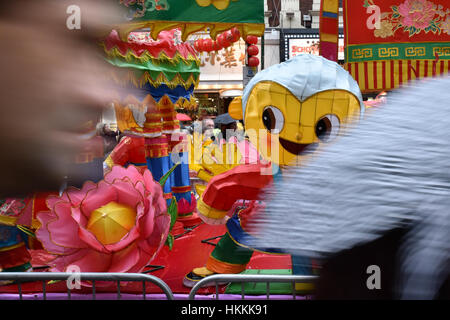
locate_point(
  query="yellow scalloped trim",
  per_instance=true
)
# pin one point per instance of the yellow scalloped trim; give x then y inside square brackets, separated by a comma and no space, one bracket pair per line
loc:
[130,77]
[114,52]
[163,102]
[187,28]
[125,118]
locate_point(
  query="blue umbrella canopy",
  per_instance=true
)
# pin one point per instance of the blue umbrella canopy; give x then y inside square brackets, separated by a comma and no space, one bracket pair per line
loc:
[224,118]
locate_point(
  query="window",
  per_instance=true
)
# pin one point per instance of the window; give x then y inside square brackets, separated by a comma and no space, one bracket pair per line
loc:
[275,7]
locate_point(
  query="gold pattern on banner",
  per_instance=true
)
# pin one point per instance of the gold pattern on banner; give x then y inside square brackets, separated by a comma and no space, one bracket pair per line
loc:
[362,53]
[387,52]
[441,51]
[415,51]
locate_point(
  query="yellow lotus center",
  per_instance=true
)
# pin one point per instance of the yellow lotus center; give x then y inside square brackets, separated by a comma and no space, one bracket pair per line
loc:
[111,222]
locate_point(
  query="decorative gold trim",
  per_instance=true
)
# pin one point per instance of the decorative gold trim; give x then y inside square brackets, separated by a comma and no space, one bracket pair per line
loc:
[12,247]
[210,212]
[187,28]
[114,52]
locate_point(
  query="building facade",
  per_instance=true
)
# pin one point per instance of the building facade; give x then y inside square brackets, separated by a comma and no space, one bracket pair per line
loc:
[315,14]
[220,80]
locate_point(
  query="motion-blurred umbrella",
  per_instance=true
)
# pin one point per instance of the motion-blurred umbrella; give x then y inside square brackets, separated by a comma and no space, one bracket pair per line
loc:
[183,117]
[224,119]
[391,172]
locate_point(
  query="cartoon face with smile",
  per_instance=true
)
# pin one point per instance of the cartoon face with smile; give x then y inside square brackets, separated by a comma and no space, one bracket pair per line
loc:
[294,124]
[297,106]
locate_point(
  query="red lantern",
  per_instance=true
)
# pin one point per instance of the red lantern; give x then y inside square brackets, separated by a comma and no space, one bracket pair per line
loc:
[208,45]
[236,34]
[216,46]
[223,42]
[252,50]
[200,45]
[229,36]
[219,39]
[252,39]
[196,45]
[253,62]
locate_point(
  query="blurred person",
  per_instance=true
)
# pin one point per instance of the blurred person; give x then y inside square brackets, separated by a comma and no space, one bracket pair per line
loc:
[375,205]
[51,86]
[109,138]
[52,96]
[208,130]
[227,127]
[289,110]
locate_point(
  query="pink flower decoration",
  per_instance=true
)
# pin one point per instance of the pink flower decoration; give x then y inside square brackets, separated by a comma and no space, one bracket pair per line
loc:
[417,13]
[446,25]
[65,233]
[184,207]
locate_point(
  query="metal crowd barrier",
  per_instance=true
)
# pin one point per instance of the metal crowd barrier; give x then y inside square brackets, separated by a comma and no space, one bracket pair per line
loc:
[20,277]
[243,278]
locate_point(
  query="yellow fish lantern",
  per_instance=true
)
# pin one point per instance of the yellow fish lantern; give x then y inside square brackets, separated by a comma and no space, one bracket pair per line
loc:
[305,101]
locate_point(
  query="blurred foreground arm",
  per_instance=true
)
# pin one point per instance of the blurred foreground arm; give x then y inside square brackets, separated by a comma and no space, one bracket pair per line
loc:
[51,85]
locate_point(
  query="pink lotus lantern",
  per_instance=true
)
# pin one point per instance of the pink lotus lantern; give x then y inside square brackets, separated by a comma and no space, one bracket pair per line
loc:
[116,225]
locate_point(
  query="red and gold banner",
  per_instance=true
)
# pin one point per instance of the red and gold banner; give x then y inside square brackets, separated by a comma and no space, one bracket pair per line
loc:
[329,29]
[390,42]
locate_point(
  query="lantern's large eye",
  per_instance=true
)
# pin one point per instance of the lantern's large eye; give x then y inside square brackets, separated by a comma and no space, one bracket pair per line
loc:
[273,119]
[327,128]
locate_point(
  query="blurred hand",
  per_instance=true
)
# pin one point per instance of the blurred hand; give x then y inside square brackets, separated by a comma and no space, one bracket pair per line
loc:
[52,84]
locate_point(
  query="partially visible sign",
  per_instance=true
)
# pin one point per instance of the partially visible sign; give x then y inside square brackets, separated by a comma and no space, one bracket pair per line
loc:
[223,65]
[311,46]
[248,73]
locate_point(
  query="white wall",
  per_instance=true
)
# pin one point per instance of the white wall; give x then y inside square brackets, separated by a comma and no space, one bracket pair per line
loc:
[288,22]
[271,47]
[316,13]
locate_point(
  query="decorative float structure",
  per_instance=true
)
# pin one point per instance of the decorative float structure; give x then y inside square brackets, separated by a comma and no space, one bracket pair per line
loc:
[158,75]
